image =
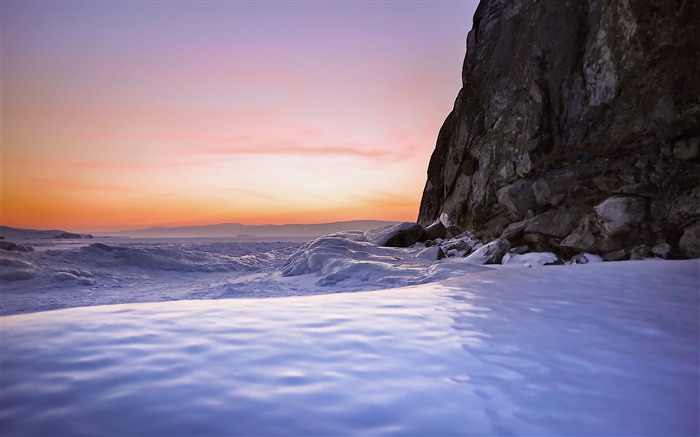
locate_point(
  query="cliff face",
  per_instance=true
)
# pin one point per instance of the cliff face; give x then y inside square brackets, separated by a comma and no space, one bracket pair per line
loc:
[567,105]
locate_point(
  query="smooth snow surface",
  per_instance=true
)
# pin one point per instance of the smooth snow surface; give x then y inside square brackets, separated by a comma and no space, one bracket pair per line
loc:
[595,349]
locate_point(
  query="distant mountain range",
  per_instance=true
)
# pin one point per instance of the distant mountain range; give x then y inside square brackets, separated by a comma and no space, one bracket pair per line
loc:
[240,230]
[9,233]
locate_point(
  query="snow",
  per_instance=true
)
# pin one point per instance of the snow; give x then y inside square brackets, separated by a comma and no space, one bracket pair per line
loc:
[592,349]
[109,271]
[529,259]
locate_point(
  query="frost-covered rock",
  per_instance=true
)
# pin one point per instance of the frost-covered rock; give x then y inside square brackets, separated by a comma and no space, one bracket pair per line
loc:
[586,258]
[620,214]
[459,247]
[436,230]
[529,259]
[431,253]
[491,253]
[662,250]
[401,235]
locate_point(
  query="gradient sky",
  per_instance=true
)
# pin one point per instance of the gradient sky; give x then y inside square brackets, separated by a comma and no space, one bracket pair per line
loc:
[120,115]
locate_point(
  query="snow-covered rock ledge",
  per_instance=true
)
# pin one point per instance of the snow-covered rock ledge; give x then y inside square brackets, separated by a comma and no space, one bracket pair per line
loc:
[597,349]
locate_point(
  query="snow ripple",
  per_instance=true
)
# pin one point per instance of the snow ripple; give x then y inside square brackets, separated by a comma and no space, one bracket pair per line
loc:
[597,349]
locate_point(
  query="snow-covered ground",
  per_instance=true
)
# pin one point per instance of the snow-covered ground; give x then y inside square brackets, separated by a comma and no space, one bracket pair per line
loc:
[597,349]
[593,349]
[70,273]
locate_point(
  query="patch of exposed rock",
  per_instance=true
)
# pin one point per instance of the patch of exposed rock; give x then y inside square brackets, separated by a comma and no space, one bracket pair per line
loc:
[577,129]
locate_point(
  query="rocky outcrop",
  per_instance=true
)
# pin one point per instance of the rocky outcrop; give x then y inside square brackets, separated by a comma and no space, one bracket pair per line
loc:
[585,111]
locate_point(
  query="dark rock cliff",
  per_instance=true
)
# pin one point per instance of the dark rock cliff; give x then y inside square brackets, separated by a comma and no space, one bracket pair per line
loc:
[577,128]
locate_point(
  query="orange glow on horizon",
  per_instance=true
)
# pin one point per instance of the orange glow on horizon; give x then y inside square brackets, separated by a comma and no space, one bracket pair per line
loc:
[127,115]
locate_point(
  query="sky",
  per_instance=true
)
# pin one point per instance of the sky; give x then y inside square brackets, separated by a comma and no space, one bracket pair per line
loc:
[130,114]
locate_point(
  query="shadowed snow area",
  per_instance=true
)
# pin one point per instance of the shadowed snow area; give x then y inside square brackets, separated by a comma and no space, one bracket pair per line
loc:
[596,349]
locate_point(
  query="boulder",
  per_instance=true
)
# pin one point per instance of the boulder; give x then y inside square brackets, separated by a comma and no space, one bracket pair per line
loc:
[518,197]
[400,235]
[581,239]
[640,252]
[553,187]
[454,231]
[491,253]
[662,250]
[615,255]
[621,214]
[555,223]
[436,230]
[689,243]
[514,230]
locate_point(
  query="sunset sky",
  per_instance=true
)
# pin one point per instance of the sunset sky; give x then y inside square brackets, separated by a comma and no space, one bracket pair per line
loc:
[121,115]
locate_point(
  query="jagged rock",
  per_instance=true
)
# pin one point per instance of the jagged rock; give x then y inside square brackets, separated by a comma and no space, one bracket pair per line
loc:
[519,250]
[690,241]
[552,188]
[615,256]
[491,253]
[620,214]
[518,197]
[607,88]
[555,223]
[580,239]
[686,150]
[459,246]
[454,231]
[436,230]
[514,230]
[640,252]
[605,183]
[401,235]
[494,227]
[662,250]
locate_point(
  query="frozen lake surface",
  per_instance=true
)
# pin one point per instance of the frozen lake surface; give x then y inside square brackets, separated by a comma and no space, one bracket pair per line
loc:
[85,272]
[595,349]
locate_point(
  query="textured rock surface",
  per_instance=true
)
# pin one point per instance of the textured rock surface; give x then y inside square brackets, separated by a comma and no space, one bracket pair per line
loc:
[566,103]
